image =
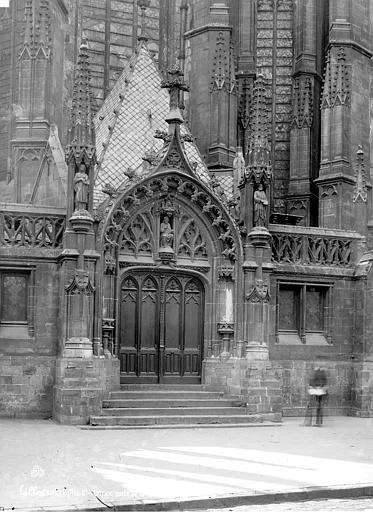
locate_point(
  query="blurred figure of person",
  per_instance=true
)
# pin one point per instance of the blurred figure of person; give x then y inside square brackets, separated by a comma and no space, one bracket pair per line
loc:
[317,391]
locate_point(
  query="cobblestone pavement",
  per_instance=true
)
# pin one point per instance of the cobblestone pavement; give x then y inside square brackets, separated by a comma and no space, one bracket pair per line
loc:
[351,505]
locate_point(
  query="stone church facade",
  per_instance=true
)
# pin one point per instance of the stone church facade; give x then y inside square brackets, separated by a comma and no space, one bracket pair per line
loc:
[185,198]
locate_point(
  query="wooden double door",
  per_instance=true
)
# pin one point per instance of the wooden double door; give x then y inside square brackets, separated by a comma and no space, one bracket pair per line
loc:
[161,327]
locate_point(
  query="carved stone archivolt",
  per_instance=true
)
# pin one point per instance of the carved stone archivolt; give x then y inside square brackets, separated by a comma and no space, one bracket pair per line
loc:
[164,189]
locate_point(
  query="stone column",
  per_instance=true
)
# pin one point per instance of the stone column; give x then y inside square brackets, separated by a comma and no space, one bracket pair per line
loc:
[256,269]
[226,320]
[83,376]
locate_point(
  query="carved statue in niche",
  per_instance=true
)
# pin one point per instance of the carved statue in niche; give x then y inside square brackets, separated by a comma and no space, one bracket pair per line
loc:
[81,186]
[167,233]
[260,206]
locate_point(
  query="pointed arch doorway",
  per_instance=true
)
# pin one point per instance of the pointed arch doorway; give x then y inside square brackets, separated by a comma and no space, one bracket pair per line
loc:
[161,318]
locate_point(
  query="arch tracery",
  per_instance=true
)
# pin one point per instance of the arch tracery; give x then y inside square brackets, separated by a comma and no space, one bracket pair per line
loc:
[130,225]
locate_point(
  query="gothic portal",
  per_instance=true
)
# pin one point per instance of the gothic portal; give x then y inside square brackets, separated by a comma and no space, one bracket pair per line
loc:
[186,197]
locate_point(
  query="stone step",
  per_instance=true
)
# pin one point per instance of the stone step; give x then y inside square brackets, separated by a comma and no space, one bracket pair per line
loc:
[166,387]
[175,420]
[265,423]
[176,411]
[155,395]
[172,402]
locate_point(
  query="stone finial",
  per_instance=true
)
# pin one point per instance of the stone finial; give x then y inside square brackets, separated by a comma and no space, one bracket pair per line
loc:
[258,157]
[81,151]
[81,131]
[174,83]
[143,4]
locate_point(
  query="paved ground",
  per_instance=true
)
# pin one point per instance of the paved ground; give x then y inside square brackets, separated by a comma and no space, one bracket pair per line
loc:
[352,505]
[47,465]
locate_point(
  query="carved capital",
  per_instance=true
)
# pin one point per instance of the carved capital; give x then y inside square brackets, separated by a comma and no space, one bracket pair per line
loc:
[80,284]
[260,293]
[226,328]
[226,272]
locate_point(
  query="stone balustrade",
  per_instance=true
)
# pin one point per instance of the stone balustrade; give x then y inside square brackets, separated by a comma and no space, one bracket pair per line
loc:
[313,246]
[31,226]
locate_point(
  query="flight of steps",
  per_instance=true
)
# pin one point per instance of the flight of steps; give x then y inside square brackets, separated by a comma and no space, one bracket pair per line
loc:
[144,405]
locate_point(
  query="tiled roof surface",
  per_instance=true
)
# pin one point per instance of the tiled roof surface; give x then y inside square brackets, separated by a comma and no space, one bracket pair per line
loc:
[226,183]
[58,155]
[126,123]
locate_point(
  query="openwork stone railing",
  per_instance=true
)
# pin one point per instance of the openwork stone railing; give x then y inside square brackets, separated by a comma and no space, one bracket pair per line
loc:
[33,228]
[312,246]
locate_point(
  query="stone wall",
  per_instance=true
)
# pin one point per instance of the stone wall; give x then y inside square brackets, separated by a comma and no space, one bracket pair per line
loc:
[28,351]
[281,387]
[296,377]
[256,383]
[26,384]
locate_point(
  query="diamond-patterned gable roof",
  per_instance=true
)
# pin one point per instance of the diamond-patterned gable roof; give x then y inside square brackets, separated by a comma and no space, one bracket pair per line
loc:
[126,123]
[106,116]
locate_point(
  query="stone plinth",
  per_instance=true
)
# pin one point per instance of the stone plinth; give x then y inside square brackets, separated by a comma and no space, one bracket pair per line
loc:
[81,385]
[78,347]
[362,389]
[255,352]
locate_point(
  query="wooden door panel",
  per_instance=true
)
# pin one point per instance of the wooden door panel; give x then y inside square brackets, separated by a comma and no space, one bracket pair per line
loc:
[193,313]
[148,328]
[172,363]
[129,296]
[173,311]
[161,332]
[191,363]
[128,362]
[149,314]
[128,326]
